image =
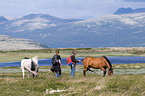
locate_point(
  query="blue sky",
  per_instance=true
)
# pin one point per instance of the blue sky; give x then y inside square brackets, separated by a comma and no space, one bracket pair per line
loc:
[66,8]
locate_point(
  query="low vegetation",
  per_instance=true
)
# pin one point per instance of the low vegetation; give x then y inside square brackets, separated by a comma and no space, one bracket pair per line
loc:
[93,84]
[128,79]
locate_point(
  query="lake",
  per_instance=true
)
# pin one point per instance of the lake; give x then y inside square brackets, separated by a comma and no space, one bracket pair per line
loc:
[113,59]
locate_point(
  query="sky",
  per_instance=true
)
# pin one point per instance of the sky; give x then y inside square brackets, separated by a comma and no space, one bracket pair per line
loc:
[66,8]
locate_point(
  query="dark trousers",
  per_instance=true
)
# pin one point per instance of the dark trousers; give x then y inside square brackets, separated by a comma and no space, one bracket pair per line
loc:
[58,72]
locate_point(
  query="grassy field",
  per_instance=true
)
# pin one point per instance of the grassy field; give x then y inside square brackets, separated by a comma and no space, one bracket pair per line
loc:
[120,84]
[128,79]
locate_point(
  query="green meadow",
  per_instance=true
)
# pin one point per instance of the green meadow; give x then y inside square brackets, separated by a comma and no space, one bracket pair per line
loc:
[122,83]
[128,79]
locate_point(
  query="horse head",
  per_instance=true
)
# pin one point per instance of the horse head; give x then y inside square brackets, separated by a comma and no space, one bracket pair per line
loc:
[110,72]
[35,59]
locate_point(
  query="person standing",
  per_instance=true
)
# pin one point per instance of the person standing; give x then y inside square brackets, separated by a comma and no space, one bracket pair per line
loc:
[56,64]
[74,61]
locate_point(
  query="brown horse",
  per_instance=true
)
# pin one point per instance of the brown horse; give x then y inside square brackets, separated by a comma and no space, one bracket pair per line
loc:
[97,63]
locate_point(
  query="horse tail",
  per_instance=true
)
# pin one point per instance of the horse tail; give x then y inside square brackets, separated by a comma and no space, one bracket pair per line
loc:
[84,63]
[108,61]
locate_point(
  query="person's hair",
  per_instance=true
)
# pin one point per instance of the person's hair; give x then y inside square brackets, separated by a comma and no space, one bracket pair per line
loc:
[57,51]
[74,51]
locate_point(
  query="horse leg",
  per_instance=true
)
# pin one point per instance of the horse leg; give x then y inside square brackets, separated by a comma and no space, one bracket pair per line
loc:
[90,69]
[104,71]
[33,75]
[28,74]
[37,71]
[23,71]
[84,71]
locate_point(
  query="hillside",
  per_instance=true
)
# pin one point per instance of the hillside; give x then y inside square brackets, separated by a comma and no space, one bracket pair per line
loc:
[32,22]
[125,30]
[3,20]
[9,43]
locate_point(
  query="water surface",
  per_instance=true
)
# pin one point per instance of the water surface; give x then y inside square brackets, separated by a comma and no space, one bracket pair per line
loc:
[113,59]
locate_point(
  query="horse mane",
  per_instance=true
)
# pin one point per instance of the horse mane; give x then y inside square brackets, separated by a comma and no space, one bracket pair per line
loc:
[26,58]
[108,62]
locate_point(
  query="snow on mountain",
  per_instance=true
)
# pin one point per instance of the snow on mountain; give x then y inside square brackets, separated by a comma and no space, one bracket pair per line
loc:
[125,30]
[130,19]
[32,24]
[34,21]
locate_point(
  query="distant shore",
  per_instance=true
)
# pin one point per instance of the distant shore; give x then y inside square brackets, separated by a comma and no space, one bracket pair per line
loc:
[17,55]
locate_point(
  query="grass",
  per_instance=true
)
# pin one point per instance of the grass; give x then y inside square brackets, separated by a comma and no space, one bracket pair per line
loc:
[128,79]
[93,84]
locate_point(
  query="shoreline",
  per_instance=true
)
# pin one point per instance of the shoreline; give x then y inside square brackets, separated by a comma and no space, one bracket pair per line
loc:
[113,60]
[18,55]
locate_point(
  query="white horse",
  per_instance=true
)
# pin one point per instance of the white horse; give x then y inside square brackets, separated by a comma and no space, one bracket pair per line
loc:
[26,63]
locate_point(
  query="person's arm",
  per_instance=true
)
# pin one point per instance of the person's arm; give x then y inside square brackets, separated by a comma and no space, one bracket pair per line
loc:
[74,59]
[59,60]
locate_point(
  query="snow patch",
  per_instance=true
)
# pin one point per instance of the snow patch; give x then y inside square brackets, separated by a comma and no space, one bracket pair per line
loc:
[128,21]
[44,35]
[37,23]
[20,22]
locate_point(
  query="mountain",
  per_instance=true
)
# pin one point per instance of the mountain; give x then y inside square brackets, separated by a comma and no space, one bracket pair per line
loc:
[3,20]
[32,22]
[9,43]
[126,30]
[109,31]
[22,27]
[124,11]
[129,10]
[139,10]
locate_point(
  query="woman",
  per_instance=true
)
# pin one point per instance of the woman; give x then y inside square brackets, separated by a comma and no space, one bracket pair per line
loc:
[74,61]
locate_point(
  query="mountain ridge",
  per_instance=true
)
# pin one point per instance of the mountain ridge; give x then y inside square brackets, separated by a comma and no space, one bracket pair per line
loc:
[129,10]
[125,30]
[34,21]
